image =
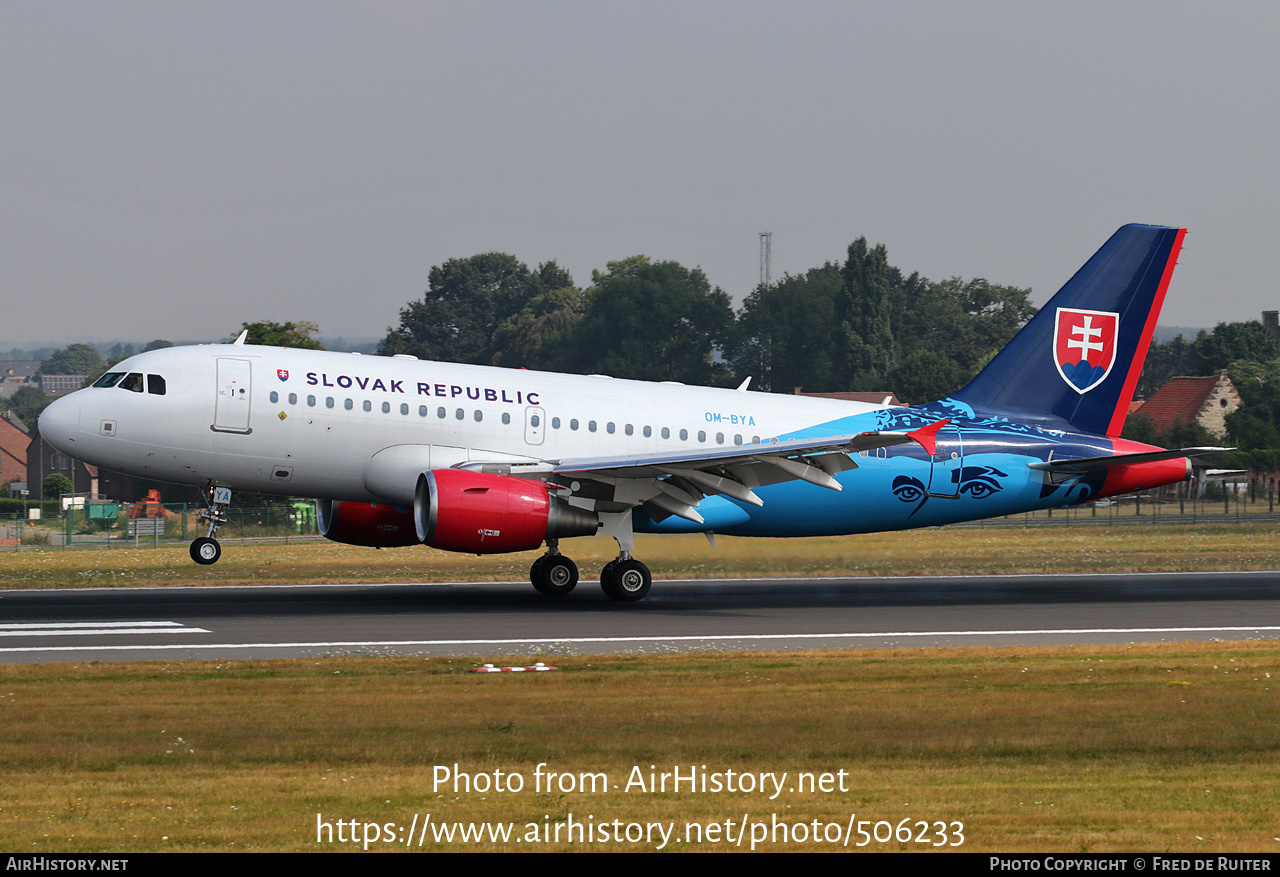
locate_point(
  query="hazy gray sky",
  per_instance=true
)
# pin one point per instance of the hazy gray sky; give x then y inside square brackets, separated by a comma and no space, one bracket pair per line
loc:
[173,169]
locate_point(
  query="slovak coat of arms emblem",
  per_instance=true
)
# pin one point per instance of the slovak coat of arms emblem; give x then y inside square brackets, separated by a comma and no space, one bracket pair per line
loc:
[1084,346]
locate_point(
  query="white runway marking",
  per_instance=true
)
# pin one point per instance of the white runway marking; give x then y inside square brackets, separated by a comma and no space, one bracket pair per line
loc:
[653,639]
[95,628]
[40,625]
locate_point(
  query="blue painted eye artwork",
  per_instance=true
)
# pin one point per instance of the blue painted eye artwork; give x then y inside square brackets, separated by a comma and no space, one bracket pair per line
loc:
[978,482]
[910,489]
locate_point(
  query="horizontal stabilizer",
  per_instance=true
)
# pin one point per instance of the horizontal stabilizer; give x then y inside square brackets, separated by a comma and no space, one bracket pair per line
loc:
[1120,459]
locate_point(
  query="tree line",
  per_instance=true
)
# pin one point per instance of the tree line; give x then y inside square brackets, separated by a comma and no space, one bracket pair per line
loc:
[861,324]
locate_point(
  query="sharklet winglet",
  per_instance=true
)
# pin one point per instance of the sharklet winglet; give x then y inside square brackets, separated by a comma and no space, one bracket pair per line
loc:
[927,436]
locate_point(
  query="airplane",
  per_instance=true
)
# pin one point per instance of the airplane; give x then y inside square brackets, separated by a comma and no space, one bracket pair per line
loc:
[477,459]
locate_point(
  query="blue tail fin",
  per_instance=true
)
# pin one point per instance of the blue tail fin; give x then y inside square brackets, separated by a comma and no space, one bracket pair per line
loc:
[1076,363]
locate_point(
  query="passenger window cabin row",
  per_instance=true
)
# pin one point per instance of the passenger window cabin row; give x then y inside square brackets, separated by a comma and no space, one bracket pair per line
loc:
[535,420]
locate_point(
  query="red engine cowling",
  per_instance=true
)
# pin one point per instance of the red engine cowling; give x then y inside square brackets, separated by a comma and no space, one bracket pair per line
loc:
[360,523]
[479,513]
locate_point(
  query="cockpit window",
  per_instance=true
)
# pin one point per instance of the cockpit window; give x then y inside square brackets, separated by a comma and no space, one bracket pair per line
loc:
[155,385]
[109,379]
[132,382]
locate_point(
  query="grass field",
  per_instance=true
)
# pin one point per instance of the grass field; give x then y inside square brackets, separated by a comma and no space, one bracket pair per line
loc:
[959,550]
[1151,747]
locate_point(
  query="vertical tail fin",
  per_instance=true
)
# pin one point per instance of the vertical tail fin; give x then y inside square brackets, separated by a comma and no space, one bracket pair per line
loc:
[1077,361]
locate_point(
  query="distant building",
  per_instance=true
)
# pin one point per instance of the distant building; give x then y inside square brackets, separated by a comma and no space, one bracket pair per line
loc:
[1271,321]
[15,373]
[1205,400]
[60,385]
[44,460]
[13,448]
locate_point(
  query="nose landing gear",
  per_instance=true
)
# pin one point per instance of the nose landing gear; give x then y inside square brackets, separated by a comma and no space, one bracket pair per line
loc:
[206,549]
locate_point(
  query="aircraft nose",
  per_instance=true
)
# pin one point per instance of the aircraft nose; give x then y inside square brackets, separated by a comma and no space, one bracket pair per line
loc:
[60,424]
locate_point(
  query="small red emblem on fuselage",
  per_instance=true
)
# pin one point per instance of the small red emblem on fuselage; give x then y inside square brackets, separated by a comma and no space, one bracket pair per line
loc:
[282,374]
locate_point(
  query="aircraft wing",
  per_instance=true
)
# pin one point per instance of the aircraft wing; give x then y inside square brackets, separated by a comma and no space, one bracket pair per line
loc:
[1083,464]
[673,483]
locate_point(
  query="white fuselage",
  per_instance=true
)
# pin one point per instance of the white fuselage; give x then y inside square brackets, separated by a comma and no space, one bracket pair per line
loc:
[349,427]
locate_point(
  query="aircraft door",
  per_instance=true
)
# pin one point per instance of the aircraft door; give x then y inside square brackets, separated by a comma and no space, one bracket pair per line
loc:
[535,425]
[948,463]
[231,412]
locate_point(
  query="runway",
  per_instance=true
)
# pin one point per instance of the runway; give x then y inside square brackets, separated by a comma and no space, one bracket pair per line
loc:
[509,618]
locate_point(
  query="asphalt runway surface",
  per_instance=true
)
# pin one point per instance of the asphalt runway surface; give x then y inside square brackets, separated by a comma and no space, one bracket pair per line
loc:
[510,618]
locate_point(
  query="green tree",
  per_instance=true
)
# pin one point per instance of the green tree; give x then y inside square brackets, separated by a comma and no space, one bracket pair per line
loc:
[925,375]
[119,351]
[75,359]
[157,344]
[27,402]
[466,303]
[291,334]
[1232,341]
[1164,361]
[947,331]
[531,337]
[864,325]
[1188,434]
[1255,425]
[1140,428]
[871,293]
[785,335]
[654,321]
[55,485]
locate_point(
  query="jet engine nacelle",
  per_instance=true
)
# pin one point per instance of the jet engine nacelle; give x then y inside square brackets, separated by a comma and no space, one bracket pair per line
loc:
[360,523]
[460,510]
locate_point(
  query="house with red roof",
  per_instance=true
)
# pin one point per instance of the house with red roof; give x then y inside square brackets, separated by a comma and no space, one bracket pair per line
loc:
[1205,400]
[13,448]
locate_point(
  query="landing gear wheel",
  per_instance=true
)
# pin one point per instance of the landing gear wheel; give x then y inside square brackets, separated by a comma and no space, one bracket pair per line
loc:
[626,580]
[554,575]
[205,550]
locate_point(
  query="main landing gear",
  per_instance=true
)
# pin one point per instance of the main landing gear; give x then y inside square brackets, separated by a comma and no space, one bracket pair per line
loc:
[624,578]
[554,574]
[206,549]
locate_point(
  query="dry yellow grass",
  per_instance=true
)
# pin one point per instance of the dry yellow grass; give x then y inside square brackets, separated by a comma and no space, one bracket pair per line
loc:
[961,550]
[1151,747]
